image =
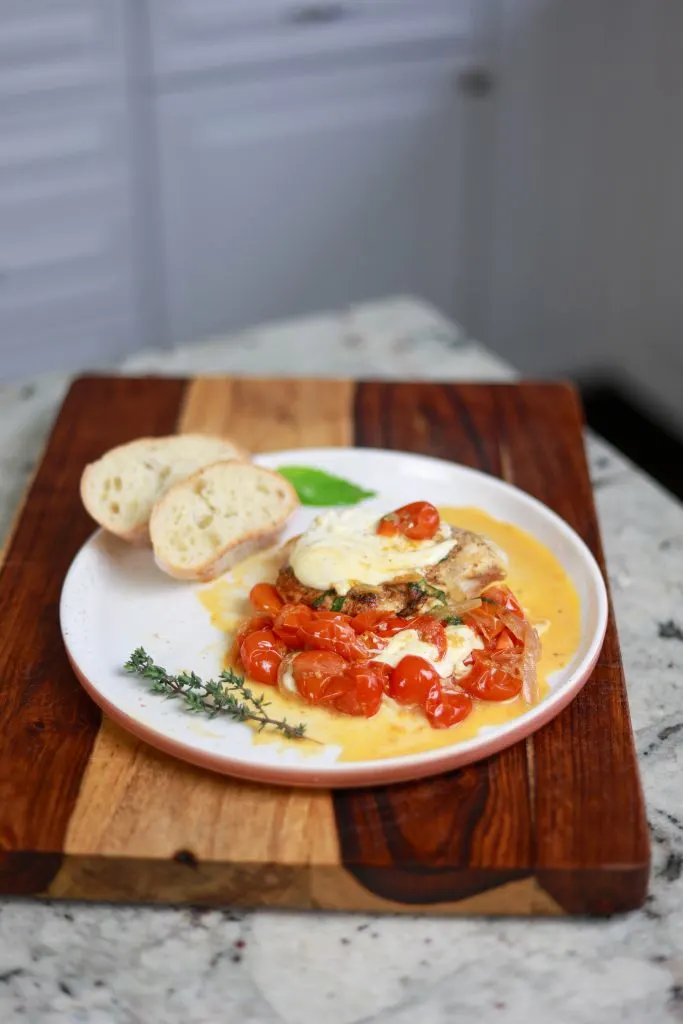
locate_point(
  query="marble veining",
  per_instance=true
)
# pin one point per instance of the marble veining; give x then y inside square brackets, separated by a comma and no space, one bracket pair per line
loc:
[68,963]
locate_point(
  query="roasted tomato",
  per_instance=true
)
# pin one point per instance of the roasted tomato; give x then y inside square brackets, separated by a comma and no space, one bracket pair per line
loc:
[380,623]
[495,675]
[265,598]
[356,691]
[331,635]
[417,521]
[261,654]
[289,623]
[251,626]
[445,708]
[411,680]
[311,670]
[431,630]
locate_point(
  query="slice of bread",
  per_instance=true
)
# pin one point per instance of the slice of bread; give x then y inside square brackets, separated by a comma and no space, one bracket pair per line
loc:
[120,489]
[220,515]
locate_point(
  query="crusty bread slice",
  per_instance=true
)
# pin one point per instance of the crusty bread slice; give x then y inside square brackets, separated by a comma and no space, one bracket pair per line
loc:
[220,515]
[120,489]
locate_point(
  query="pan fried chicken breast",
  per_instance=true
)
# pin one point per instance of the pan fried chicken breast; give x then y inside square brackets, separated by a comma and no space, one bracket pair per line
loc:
[341,556]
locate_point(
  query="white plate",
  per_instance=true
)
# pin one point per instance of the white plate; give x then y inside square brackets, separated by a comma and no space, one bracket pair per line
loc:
[114,599]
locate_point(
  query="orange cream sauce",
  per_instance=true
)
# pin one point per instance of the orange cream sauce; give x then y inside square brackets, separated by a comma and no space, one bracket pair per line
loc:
[535,576]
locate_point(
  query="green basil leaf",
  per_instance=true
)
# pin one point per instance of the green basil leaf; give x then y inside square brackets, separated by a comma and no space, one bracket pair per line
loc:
[452,620]
[319,600]
[316,487]
[337,604]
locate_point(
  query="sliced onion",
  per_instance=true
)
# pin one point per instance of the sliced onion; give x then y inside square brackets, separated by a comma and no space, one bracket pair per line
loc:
[461,608]
[532,652]
[523,631]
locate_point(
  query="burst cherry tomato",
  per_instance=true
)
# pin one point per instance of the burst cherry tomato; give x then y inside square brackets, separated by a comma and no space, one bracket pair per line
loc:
[431,631]
[265,598]
[357,691]
[311,669]
[289,623]
[411,680]
[445,708]
[495,675]
[329,635]
[418,521]
[384,673]
[504,597]
[251,626]
[261,654]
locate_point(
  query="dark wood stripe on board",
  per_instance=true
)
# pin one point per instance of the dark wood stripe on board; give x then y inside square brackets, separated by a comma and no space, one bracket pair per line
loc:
[589,747]
[47,723]
[455,835]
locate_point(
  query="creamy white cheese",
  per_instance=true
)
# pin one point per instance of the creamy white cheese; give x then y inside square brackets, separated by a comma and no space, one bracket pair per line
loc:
[342,548]
[461,642]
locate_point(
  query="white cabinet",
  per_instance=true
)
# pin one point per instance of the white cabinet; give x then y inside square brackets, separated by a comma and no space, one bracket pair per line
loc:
[65,238]
[297,194]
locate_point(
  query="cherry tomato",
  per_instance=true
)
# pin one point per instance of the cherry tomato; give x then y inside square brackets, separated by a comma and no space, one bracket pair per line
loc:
[261,654]
[311,669]
[339,637]
[289,623]
[384,672]
[431,631]
[445,708]
[265,598]
[372,643]
[503,597]
[365,621]
[357,691]
[495,675]
[391,625]
[251,626]
[417,521]
[412,680]
[324,616]
[485,621]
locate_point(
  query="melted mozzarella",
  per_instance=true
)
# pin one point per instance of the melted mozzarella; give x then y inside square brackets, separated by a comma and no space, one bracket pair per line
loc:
[461,642]
[341,549]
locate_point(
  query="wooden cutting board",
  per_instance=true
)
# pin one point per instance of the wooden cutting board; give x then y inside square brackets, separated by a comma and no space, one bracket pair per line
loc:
[555,825]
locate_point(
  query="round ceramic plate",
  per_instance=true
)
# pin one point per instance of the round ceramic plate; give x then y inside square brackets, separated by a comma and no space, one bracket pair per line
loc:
[115,599]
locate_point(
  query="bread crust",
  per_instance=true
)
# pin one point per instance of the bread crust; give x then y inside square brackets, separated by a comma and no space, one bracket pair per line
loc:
[230,554]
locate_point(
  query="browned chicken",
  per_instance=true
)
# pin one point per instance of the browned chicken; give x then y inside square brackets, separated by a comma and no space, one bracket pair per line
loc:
[471,565]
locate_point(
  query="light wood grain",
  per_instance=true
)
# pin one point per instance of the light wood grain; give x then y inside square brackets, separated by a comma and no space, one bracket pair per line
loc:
[552,826]
[137,802]
[265,415]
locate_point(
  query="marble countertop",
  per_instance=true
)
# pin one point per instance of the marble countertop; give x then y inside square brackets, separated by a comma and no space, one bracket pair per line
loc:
[100,964]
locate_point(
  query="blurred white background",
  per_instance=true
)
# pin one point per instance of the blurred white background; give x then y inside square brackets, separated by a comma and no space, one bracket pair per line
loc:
[175,169]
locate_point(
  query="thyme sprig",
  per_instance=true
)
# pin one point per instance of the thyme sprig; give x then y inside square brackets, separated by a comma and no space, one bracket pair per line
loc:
[228,695]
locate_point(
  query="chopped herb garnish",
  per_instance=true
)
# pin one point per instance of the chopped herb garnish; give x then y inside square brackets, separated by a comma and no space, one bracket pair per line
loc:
[227,695]
[488,600]
[453,620]
[338,604]
[319,600]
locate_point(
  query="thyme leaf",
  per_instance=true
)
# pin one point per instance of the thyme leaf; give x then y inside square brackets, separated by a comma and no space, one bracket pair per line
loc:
[227,695]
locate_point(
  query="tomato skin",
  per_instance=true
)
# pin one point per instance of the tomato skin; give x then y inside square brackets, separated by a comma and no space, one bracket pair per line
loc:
[265,598]
[432,631]
[311,670]
[504,597]
[495,675]
[261,654]
[357,691]
[383,672]
[445,708]
[411,681]
[289,623]
[251,625]
[417,521]
[339,637]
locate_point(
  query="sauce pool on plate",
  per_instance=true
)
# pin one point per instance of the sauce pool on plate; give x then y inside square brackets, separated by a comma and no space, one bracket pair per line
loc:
[536,578]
